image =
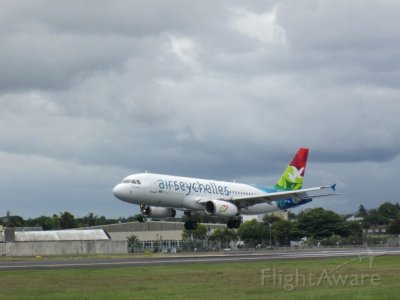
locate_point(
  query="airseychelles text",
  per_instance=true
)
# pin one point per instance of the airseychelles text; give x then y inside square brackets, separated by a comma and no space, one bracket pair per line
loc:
[187,188]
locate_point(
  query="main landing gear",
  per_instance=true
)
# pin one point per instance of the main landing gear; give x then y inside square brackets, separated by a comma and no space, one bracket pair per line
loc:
[189,224]
[234,223]
[231,224]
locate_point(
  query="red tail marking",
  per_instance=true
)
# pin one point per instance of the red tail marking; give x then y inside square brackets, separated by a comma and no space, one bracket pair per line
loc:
[300,160]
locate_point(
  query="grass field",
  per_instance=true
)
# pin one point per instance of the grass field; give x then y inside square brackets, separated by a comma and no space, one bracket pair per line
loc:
[338,278]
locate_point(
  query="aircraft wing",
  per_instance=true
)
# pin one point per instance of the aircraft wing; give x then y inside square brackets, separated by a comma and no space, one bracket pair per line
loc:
[270,197]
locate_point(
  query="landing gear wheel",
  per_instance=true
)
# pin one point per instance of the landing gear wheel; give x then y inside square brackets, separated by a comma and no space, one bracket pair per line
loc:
[233,223]
[236,223]
[145,210]
[190,225]
[230,224]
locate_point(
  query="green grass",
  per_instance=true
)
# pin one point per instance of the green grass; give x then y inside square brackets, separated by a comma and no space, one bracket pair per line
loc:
[241,280]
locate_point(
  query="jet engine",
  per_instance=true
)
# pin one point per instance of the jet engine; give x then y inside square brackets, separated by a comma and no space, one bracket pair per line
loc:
[221,208]
[157,212]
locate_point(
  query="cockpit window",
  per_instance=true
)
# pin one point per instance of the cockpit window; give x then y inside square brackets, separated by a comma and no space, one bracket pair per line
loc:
[133,181]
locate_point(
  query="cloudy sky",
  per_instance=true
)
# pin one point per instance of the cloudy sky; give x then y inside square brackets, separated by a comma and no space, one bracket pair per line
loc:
[92,91]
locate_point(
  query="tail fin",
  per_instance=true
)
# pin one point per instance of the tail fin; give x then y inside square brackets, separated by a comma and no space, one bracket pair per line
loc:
[292,178]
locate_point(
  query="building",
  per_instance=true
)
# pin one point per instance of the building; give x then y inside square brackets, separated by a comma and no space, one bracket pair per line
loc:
[58,242]
[151,234]
[105,239]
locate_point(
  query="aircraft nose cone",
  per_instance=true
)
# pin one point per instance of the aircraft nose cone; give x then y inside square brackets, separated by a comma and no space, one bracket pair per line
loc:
[118,191]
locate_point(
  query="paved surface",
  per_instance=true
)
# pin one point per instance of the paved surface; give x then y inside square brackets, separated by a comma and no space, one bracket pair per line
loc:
[201,258]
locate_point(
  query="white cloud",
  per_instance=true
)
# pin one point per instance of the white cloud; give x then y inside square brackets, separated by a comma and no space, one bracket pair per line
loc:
[263,27]
[184,49]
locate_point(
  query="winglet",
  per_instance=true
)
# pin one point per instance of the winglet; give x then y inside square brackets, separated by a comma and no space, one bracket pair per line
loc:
[333,187]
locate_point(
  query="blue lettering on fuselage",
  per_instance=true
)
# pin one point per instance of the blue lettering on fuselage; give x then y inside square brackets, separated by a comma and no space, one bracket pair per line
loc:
[187,187]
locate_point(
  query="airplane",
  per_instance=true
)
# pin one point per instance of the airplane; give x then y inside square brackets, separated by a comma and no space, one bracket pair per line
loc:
[159,196]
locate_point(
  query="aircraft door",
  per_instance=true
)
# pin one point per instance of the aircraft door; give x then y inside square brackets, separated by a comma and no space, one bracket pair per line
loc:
[155,189]
[153,185]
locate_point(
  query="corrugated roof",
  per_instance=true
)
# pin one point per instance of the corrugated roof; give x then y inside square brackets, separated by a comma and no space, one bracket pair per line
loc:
[61,235]
[150,226]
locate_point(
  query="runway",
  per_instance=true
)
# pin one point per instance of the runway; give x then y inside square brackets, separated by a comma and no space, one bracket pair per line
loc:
[90,263]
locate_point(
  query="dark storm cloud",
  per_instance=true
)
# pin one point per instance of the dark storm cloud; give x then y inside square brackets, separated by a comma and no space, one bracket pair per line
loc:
[45,45]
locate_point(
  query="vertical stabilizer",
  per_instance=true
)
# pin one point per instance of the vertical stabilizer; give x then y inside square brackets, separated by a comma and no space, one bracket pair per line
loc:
[292,178]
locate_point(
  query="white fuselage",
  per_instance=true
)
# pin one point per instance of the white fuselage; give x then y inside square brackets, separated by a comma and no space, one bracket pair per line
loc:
[184,193]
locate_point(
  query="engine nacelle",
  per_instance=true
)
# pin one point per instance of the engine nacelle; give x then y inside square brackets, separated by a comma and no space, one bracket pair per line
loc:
[221,208]
[158,212]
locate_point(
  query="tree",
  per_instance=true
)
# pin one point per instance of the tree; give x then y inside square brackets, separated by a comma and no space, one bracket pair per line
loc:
[362,212]
[333,240]
[374,218]
[67,220]
[320,223]
[253,232]
[133,243]
[270,219]
[388,210]
[354,228]
[47,223]
[355,235]
[15,221]
[194,239]
[394,226]
[284,231]
[90,220]
[223,236]
[138,218]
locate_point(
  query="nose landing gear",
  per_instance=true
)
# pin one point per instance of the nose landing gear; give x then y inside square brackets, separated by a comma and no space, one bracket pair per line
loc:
[144,209]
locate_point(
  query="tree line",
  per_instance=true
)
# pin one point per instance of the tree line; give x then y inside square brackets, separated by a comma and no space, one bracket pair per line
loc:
[387,214]
[315,224]
[66,220]
[63,220]
[318,225]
